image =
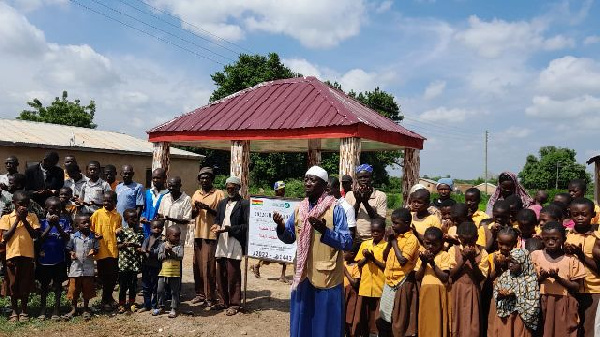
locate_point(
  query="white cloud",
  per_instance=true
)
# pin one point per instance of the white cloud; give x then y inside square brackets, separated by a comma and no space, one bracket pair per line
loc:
[315,23]
[434,89]
[302,66]
[568,76]
[132,94]
[582,107]
[492,39]
[384,6]
[592,39]
[513,132]
[444,114]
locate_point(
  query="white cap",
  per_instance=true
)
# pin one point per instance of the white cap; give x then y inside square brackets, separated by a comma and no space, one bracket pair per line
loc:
[417,187]
[233,180]
[319,172]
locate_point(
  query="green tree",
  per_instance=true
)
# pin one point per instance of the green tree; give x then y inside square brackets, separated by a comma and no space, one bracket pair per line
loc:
[541,173]
[61,111]
[248,71]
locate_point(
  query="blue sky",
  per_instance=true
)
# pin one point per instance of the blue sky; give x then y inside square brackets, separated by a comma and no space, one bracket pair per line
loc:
[527,71]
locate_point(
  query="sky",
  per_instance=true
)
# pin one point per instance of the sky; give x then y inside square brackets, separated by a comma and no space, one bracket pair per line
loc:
[526,71]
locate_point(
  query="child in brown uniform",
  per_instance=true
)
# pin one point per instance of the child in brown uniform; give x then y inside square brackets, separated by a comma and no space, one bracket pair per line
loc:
[433,272]
[560,277]
[469,269]
[583,243]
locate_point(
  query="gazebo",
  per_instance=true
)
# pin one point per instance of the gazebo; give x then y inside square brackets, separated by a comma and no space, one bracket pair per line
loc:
[291,115]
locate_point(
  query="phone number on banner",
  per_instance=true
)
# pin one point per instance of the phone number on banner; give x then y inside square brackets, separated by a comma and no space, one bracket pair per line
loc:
[276,257]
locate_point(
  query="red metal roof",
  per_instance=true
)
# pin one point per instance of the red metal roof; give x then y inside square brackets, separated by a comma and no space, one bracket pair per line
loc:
[295,108]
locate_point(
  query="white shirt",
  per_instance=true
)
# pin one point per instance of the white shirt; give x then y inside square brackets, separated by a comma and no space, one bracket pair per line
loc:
[228,246]
[349,210]
[176,209]
[4,179]
[76,186]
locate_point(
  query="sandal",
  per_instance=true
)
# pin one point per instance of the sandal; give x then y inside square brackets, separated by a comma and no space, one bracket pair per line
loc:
[231,311]
[87,316]
[173,314]
[55,318]
[197,300]
[68,316]
[217,306]
[23,317]
[14,318]
[42,317]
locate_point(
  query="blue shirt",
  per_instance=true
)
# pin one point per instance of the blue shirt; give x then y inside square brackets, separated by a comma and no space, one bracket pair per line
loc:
[129,196]
[338,238]
[53,247]
[83,264]
[151,209]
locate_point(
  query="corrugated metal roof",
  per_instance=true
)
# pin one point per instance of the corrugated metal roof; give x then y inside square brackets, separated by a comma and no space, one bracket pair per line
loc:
[27,133]
[289,104]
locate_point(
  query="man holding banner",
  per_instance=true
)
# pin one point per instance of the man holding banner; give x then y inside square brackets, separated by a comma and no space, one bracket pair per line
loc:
[319,226]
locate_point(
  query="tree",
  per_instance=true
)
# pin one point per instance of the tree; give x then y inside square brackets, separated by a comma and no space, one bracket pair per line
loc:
[541,173]
[61,111]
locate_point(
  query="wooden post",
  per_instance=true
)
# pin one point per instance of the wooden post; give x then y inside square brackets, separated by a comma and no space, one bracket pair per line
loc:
[240,161]
[160,155]
[314,152]
[412,165]
[349,156]
[597,180]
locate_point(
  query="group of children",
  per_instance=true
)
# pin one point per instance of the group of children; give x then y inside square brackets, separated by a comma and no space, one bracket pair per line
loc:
[74,244]
[464,273]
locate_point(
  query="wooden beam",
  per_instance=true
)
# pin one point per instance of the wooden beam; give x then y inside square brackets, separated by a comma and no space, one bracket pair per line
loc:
[160,155]
[597,181]
[412,165]
[349,156]
[240,163]
[314,152]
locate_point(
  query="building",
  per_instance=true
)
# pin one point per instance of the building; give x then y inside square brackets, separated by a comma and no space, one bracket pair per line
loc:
[429,184]
[596,178]
[482,187]
[30,140]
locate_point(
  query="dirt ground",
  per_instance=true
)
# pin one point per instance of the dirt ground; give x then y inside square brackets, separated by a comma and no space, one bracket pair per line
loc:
[266,314]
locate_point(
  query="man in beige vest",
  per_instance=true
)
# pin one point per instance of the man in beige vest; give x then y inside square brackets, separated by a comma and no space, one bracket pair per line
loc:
[319,227]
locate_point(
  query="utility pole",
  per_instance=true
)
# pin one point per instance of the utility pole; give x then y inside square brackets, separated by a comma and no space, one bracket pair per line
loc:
[485,175]
[557,166]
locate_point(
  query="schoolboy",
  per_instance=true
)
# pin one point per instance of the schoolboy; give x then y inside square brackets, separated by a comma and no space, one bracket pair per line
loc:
[94,189]
[583,242]
[19,229]
[170,253]
[51,265]
[151,265]
[83,246]
[129,242]
[106,224]
[577,189]
[421,218]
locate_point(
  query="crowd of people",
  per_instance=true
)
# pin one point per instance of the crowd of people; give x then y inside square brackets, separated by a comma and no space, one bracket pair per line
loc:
[524,267]
[87,227]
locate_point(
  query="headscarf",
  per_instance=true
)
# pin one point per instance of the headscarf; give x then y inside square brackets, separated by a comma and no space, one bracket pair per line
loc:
[364,167]
[519,190]
[445,181]
[526,301]
[304,236]
[278,185]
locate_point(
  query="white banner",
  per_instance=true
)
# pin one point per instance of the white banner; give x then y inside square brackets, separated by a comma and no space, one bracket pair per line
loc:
[263,242]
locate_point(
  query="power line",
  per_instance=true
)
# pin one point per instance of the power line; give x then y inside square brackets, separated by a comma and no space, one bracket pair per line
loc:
[160,29]
[147,33]
[437,133]
[436,125]
[443,129]
[177,26]
[193,25]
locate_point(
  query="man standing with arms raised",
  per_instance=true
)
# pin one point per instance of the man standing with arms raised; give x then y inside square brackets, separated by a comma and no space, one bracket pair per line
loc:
[319,226]
[204,202]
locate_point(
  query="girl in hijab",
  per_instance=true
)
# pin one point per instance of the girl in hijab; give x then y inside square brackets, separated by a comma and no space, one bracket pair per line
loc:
[517,296]
[508,184]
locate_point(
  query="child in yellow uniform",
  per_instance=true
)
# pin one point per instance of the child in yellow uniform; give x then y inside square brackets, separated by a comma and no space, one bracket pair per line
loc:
[560,276]
[433,270]
[372,265]
[577,189]
[398,305]
[421,218]
[469,268]
[472,200]
[458,215]
[106,224]
[351,286]
[583,242]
